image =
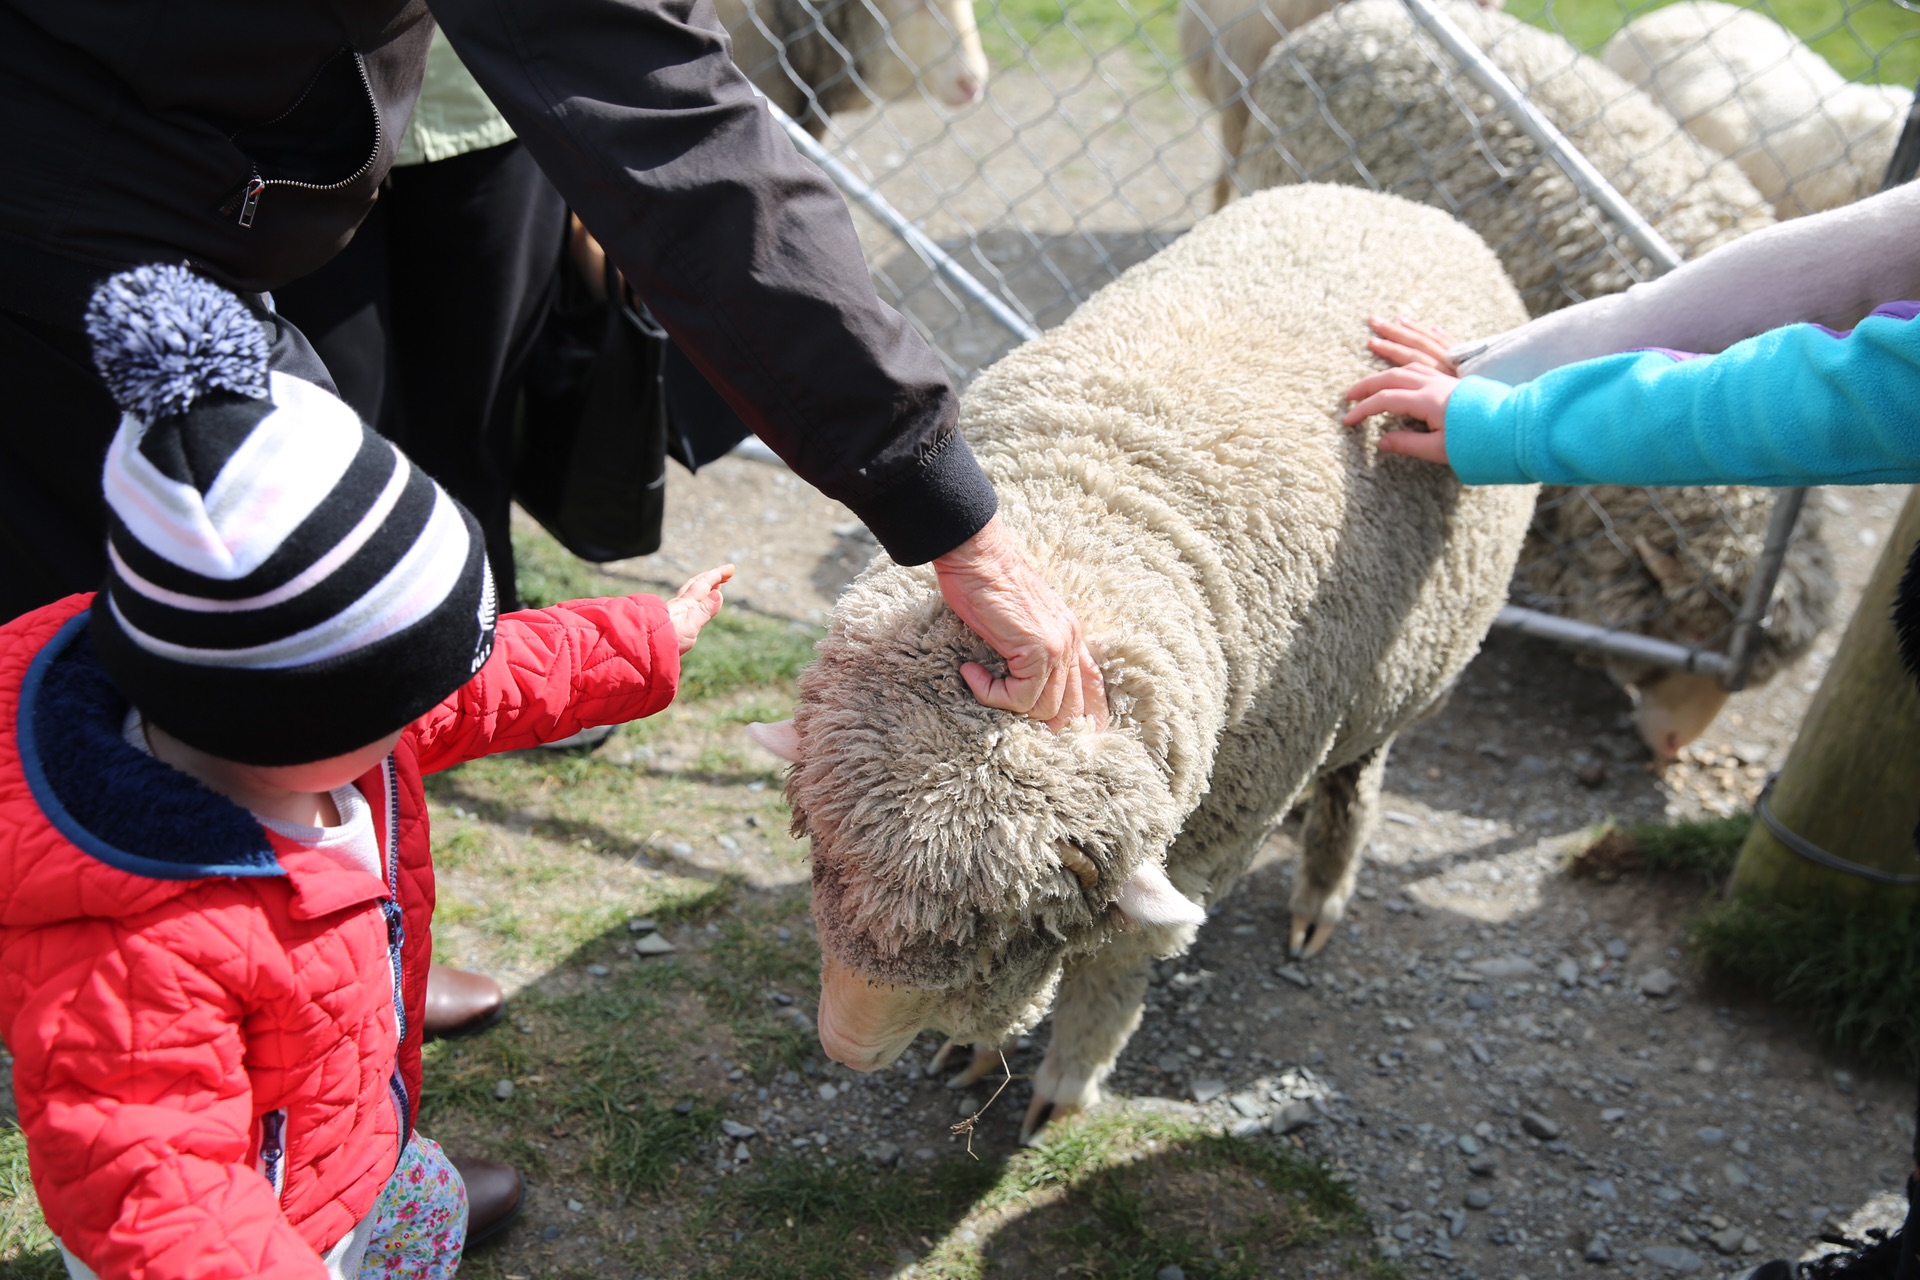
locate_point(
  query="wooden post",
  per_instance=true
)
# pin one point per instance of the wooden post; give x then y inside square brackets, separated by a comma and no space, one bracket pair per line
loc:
[1851,783]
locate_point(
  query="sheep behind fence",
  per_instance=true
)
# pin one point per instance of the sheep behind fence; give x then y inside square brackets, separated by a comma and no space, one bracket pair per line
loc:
[1108,127]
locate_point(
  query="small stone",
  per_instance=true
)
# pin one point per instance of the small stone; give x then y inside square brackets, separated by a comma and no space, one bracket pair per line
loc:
[652,944]
[1247,1128]
[1207,1089]
[1613,1115]
[884,1154]
[502,1090]
[783,934]
[1478,1198]
[1483,1165]
[1539,1126]
[728,843]
[1737,1177]
[1617,949]
[827,1092]
[734,1129]
[1705,1066]
[575,1206]
[636,924]
[1658,983]
[1288,973]
[1503,967]
[1710,1135]
[965,1105]
[680,849]
[1681,1262]
[1599,1248]
[1843,1081]
[1170,1063]
[1593,777]
[1601,1189]
[1468,1144]
[1248,1103]
[1749,1244]
[1433,1047]
[1728,1240]
[1568,971]
[549,1233]
[683,1108]
[1293,1117]
[1479,1001]
[782,999]
[598,970]
[1170,1272]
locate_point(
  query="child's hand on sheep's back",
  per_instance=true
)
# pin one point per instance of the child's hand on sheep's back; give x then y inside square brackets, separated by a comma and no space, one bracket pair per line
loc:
[1404,341]
[1415,391]
[695,604]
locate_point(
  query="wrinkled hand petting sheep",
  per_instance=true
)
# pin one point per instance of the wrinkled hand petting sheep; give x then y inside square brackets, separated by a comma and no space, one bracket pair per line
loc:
[995,589]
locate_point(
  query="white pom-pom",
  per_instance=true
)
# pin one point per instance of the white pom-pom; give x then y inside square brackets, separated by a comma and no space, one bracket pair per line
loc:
[164,337]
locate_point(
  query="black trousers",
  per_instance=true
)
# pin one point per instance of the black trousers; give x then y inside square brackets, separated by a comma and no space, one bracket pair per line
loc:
[56,421]
[426,318]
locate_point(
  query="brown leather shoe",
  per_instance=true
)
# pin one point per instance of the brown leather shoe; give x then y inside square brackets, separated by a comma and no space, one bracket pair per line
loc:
[494,1196]
[460,1003]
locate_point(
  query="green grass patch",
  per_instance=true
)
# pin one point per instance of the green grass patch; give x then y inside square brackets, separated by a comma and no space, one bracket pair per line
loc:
[1866,40]
[1702,849]
[1057,33]
[26,1246]
[1852,977]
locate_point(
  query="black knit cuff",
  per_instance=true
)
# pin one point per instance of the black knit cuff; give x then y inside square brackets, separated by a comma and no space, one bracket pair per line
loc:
[929,514]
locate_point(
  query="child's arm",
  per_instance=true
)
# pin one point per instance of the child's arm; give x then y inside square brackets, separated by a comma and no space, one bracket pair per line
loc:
[559,670]
[140,1124]
[1830,268]
[1797,405]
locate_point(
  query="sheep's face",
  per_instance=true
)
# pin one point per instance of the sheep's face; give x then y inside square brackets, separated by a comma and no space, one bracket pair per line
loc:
[960,855]
[1672,708]
[936,42]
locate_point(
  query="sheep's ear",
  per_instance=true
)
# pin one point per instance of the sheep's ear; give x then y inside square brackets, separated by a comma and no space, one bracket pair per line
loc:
[777,738]
[1149,898]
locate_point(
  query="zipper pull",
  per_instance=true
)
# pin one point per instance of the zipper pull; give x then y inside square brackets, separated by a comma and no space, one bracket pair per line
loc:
[250,201]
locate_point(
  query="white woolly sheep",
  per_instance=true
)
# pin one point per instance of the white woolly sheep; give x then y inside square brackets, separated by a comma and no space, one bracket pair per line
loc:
[1271,601]
[1676,563]
[1410,122]
[1747,87]
[816,57]
[1223,43]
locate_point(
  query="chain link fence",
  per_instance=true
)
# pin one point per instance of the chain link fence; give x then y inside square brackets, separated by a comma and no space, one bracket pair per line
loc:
[1006,159]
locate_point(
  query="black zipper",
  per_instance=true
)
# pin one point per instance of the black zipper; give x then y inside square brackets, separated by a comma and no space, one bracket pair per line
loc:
[273,1149]
[396,941]
[246,202]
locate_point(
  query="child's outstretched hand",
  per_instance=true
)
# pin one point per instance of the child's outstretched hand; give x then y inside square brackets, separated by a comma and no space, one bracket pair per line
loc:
[1418,389]
[695,604]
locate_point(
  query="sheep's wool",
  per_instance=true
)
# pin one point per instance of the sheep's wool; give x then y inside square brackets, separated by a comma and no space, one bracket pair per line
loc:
[1269,597]
[1406,121]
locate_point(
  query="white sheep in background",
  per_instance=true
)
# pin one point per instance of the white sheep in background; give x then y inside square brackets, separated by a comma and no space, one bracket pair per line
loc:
[1398,100]
[1679,570]
[1270,598]
[1747,87]
[796,52]
[1223,43]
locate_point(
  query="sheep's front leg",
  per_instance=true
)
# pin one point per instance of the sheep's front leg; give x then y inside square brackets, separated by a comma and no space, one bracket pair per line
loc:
[1340,817]
[1096,1013]
[985,1058]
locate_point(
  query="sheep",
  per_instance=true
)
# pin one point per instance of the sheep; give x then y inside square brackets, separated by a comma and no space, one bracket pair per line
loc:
[1747,87]
[815,57]
[1409,122]
[1678,569]
[1271,601]
[1223,42]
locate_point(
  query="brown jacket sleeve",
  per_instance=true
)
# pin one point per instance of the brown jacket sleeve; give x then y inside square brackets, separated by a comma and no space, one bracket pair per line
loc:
[743,249]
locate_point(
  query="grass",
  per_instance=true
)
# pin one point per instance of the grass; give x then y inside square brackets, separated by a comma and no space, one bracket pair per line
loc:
[26,1246]
[1853,979]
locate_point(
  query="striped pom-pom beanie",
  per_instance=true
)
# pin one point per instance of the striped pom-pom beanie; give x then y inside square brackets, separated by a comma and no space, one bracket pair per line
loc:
[283,585]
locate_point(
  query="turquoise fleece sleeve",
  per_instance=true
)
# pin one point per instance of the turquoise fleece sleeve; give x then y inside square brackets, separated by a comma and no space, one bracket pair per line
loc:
[1797,405]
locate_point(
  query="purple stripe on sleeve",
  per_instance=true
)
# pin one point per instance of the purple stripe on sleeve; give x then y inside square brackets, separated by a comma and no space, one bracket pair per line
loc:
[1887,311]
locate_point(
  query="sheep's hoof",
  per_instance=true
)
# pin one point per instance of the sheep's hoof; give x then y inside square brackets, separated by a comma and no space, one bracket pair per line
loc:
[939,1062]
[985,1060]
[1309,938]
[1040,1113]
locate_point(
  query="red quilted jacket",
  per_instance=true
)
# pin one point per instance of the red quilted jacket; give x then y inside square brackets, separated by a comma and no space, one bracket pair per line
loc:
[213,1072]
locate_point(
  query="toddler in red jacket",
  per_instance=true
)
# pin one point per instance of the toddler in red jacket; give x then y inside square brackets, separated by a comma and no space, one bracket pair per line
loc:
[215,886]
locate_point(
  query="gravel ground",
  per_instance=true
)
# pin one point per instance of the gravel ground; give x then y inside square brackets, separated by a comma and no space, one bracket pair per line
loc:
[1520,1070]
